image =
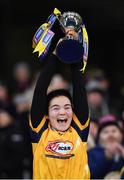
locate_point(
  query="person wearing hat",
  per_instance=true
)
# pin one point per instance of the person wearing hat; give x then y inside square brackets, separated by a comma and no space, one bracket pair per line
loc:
[59,125]
[108,155]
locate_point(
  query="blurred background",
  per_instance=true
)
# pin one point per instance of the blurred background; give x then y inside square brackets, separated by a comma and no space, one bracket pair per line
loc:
[104,21]
[19,68]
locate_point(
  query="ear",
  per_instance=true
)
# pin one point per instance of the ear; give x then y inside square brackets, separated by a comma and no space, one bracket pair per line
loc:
[47,117]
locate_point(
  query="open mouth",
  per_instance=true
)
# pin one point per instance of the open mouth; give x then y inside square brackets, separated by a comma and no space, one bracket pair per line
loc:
[61,120]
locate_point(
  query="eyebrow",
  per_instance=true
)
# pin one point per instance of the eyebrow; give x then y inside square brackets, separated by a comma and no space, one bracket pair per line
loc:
[56,105]
[67,105]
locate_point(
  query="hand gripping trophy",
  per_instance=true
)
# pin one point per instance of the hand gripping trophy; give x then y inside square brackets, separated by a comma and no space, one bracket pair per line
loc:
[71,48]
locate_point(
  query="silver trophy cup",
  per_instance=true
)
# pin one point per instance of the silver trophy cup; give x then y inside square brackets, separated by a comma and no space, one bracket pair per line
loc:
[70,48]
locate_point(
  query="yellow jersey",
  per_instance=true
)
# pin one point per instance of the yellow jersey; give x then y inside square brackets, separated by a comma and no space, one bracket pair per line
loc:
[59,155]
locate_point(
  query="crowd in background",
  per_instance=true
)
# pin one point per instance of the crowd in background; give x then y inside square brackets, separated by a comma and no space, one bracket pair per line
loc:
[105,141]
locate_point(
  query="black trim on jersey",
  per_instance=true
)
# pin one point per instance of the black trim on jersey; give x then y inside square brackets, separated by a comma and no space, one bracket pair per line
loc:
[35,137]
[82,133]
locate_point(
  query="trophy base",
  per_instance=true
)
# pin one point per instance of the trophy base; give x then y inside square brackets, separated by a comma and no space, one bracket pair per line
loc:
[69,51]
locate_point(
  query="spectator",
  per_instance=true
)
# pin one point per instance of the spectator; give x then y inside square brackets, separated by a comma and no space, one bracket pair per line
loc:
[58,82]
[3,92]
[96,74]
[92,133]
[97,100]
[21,78]
[11,146]
[108,155]
[13,124]
[5,99]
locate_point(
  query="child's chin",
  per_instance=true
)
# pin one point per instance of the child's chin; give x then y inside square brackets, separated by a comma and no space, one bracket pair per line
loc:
[62,129]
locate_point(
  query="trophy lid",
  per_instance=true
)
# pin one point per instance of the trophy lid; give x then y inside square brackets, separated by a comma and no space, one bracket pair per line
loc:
[70,20]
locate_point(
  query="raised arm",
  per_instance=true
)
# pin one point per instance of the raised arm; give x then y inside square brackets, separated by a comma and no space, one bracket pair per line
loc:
[38,107]
[79,94]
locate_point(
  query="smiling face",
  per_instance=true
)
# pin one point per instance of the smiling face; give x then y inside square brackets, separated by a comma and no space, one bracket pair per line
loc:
[110,134]
[60,113]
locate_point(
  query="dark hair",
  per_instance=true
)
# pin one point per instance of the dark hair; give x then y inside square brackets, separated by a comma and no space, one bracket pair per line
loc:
[106,124]
[57,93]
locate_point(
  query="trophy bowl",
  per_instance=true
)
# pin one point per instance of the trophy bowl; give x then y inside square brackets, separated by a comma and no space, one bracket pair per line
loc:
[69,51]
[70,48]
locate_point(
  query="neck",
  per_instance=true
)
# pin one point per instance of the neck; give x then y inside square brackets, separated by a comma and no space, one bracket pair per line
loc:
[60,132]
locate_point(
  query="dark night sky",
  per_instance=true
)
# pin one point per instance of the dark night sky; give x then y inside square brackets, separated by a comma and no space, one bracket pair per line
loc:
[104,21]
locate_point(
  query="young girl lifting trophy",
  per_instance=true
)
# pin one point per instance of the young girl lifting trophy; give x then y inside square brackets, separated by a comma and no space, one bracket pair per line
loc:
[59,122]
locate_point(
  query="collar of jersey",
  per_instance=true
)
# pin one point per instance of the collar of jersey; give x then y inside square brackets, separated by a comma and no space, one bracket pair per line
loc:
[59,132]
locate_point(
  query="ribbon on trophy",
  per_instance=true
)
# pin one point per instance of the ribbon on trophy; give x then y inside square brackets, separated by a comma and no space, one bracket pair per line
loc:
[69,50]
[43,36]
[85,46]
